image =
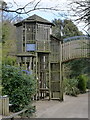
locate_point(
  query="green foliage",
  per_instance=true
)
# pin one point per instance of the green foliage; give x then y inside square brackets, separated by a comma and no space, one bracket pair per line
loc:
[56,30]
[78,67]
[66,70]
[71,87]
[8,40]
[9,60]
[70,29]
[65,29]
[5,31]
[1,89]
[20,87]
[82,80]
[88,82]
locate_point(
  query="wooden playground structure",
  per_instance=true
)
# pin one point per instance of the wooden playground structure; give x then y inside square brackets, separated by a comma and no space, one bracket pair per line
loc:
[43,54]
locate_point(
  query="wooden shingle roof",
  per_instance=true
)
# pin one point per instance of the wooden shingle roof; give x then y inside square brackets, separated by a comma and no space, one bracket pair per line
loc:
[35,19]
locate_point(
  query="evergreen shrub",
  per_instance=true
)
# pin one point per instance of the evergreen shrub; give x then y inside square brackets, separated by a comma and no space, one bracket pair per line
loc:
[71,87]
[82,83]
[20,87]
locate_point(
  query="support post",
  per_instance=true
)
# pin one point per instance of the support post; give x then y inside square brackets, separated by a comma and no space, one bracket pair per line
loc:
[36,77]
[49,79]
[61,74]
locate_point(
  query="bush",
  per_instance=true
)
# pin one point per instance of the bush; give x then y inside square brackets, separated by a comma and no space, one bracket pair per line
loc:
[88,83]
[82,82]
[71,87]
[8,60]
[0,90]
[20,87]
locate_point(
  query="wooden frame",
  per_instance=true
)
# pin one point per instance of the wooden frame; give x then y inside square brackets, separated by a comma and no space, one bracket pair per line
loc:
[48,57]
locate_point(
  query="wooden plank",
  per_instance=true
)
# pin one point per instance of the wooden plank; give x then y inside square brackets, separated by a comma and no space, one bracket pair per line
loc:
[4,105]
[60,68]
[0,106]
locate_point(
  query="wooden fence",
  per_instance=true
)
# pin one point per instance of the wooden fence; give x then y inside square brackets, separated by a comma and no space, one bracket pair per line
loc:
[4,105]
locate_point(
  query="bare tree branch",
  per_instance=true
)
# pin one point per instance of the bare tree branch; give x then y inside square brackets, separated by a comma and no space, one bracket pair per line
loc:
[81,9]
[37,4]
[29,7]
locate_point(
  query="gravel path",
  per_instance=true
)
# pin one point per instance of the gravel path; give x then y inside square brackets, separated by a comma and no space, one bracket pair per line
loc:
[72,107]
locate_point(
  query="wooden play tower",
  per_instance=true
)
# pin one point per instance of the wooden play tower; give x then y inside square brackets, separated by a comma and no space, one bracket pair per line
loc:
[39,52]
[43,54]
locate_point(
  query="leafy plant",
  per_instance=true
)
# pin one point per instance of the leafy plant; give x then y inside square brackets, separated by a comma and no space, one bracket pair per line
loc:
[88,83]
[1,90]
[82,81]
[71,87]
[65,29]
[78,67]
[20,87]
[9,60]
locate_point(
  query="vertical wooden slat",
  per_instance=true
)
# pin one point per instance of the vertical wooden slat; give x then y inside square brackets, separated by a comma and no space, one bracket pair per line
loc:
[49,77]
[61,76]
[25,36]
[37,82]
[0,106]
[4,106]
[60,94]
[25,63]
[74,49]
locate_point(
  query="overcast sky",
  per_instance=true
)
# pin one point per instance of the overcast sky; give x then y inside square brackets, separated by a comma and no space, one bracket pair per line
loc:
[62,4]
[44,3]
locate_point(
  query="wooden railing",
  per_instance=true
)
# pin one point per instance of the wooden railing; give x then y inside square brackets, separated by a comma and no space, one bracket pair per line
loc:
[75,49]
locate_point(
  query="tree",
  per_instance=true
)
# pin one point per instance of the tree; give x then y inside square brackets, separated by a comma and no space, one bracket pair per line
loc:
[81,9]
[8,42]
[78,67]
[27,8]
[65,29]
[56,30]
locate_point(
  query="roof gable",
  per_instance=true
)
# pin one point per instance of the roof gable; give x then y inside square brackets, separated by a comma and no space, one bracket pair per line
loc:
[35,18]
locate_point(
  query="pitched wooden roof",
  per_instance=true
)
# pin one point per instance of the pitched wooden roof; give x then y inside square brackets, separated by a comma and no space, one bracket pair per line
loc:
[35,19]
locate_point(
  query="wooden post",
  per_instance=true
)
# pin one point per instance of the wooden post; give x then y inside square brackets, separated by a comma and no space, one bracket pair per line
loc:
[49,78]
[18,64]
[4,105]
[25,63]
[61,73]
[69,52]
[0,106]
[36,77]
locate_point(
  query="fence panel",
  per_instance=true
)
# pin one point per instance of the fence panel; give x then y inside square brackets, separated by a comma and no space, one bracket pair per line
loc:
[4,105]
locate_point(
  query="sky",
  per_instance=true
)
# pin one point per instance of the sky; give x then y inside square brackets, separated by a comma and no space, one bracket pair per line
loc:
[50,15]
[44,3]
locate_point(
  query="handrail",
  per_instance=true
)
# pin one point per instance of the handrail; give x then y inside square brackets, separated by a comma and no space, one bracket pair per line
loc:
[76,38]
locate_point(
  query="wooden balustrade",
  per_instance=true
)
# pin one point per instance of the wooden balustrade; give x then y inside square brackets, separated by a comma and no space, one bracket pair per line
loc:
[74,49]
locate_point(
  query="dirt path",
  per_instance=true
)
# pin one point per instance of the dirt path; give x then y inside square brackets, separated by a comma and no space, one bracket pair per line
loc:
[72,107]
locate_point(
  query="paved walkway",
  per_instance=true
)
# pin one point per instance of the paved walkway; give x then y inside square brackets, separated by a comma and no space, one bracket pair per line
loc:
[72,107]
